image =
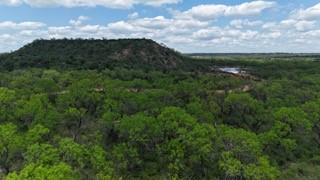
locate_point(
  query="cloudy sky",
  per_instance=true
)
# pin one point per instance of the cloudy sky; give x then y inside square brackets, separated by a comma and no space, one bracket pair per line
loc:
[185,25]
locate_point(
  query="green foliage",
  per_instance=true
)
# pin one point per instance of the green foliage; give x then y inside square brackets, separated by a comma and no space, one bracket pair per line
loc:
[229,165]
[301,170]
[7,104]
[36,134]
[242,156]
[38,172]
[73,153]
[263,170]
[42,154]
[242,111]
[183,137]
[10,146]
[36,110]
[128,123]
[201,111]
[288,134]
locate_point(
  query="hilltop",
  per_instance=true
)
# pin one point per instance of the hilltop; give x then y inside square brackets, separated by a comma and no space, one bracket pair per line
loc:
[93,54]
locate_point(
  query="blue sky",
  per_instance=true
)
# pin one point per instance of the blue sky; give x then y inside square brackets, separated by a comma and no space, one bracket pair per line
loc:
[186,25]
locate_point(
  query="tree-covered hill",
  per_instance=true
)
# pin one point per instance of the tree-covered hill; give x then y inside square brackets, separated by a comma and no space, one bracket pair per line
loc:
[92,54]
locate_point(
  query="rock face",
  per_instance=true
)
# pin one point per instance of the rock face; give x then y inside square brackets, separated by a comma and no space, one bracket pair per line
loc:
[93,54]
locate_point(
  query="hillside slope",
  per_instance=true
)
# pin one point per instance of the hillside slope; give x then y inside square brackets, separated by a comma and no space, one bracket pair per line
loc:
[93,54]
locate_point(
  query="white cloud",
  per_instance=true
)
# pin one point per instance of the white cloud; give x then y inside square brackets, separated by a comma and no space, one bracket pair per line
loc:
[88,3]
[5,37]
[269,25]
[271,35]
[10,2]
[309,13]
[207,34]
[305,25]
[125,27]
[83,18]
[90,28]
[133,15]
[313,34]
[218,34]
[156,2]
[158,26]
[299,20]
[249,8]
[212,11]
[290,24]
[21,26]
[192,30]
[78,21]
[242,23]
[79,3]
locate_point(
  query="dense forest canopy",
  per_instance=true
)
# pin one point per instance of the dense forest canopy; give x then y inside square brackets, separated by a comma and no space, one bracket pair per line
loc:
[147,121]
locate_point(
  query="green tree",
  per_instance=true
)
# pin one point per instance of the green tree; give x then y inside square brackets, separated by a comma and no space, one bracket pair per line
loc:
[242,155]
[73,153]
[7,104]
[82,94]
[301,171]
[99,162]
[126,159]
[312,109]
[11,145]
[241,110]
[186,146]
[37,110]
[35,134]
[289,135]
[32,171]
[198,109]
[74,121]
[44,154]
